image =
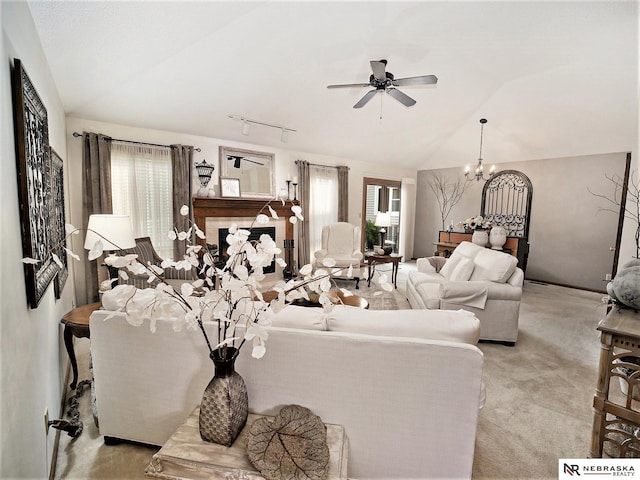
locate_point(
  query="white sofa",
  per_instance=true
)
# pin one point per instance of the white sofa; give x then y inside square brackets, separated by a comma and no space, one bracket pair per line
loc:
[485,282]
[406,385]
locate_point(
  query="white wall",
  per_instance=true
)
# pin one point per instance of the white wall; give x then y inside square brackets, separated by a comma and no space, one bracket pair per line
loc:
[569,239]
[284,166]
[31,354]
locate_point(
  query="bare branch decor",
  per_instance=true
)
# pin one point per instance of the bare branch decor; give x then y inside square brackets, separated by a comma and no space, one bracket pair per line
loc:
[631,206]
[448,194]
[34,187]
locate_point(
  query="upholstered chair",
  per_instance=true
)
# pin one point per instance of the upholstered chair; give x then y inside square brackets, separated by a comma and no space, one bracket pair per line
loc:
[341,242]
[145,251]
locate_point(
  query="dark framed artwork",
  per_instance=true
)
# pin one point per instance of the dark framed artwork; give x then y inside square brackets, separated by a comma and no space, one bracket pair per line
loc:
[34,183]
[58,218]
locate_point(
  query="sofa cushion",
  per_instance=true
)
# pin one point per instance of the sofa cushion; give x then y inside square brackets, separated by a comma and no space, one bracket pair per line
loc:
[449,325]
[493,266]
[450,265]
[294,316]
[417,278]
[463,270]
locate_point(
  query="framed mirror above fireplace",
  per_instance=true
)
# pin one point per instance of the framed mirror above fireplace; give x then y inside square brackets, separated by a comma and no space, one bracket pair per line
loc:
[254,170]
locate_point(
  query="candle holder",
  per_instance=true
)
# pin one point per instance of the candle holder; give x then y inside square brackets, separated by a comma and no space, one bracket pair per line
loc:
[295,191]
[288,189]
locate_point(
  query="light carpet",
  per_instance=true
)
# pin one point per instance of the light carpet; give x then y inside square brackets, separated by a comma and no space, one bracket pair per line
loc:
[539,393]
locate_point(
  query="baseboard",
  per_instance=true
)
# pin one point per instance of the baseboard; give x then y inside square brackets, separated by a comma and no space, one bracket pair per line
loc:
[544,282]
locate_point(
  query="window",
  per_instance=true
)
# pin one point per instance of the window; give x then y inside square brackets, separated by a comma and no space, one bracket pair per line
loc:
[141,186]
[323,202]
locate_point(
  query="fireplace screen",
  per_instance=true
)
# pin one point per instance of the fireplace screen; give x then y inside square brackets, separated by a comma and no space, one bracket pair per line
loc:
[253,236]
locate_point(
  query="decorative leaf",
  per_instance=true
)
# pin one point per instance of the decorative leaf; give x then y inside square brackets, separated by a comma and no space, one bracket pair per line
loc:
[30,261]
[184,210]
[293,445]
[96,251]
[57,260]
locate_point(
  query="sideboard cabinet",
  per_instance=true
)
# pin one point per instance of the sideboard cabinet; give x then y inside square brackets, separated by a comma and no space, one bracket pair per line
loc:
[516,246]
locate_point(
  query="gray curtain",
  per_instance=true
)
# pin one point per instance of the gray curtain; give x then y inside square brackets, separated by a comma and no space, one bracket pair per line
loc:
[181,160]
[96,198]
[304,245]
[343,193]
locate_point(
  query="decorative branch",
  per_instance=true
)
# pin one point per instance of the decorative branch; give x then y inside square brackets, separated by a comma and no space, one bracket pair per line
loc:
[631,206]
[447,194]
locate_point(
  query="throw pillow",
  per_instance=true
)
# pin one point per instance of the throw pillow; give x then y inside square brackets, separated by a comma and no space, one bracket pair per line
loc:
[493,266]
[450,265]
[463,270]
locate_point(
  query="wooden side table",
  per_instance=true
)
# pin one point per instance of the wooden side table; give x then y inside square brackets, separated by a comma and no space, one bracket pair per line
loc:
[373,260]
[186,456]
[76,324]
[617,416]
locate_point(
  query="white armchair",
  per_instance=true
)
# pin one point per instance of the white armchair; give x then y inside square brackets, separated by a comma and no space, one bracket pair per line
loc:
[341,242]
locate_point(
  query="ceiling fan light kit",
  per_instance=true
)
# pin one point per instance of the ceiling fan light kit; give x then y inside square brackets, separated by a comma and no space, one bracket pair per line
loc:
[479,170]
[247,122]
[383,81]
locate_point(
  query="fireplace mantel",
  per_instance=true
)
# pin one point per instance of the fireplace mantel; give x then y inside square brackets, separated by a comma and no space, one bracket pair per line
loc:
[204,208]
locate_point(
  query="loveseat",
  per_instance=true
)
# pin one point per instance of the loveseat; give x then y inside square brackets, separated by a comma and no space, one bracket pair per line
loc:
[483,281]
[406,385]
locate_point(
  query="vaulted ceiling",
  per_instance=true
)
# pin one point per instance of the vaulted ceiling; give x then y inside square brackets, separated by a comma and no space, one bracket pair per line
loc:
[553,79]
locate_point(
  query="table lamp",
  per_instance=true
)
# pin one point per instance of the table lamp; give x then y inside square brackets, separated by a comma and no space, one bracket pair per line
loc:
[114,231]
[383,220]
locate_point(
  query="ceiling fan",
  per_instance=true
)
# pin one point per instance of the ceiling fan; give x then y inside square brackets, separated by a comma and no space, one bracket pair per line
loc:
[385,81]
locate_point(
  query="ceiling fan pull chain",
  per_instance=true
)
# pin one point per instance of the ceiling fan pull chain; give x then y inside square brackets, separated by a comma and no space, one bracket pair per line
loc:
[380,107]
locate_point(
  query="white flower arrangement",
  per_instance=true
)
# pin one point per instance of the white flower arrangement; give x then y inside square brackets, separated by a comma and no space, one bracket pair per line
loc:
[475,223]
[225,297]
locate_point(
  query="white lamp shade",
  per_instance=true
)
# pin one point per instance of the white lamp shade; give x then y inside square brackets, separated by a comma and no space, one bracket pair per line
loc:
[383,219]
[114,231]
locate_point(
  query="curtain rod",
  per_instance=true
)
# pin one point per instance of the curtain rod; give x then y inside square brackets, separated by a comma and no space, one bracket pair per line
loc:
[320,165]
[76,134]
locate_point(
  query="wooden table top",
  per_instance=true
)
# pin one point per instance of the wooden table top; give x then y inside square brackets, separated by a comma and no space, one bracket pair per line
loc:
[337,297]
[80,316]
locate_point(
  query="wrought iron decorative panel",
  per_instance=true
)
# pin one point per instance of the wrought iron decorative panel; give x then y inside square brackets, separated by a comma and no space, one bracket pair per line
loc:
[34,187]
[58,219]
[506,201]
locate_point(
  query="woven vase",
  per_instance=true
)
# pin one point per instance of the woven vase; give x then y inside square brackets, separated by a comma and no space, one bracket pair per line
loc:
[225,404]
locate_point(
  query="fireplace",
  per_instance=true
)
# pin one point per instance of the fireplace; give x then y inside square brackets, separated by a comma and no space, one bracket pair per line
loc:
[254,234]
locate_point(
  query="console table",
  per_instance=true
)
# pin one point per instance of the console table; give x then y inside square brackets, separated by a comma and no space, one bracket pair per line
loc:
[617,415]
[186,456]
[516,246]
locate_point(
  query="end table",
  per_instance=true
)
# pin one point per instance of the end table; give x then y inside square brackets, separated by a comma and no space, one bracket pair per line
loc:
[76,324]
[617,417]
[373,260]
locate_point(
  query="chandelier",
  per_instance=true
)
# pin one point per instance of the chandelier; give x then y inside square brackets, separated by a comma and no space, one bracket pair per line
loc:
[479,170]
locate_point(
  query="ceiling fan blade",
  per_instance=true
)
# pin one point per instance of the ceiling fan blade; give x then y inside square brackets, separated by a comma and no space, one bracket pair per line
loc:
[378,69]
[363,101]
[406,100]
[349,85]
[422,80]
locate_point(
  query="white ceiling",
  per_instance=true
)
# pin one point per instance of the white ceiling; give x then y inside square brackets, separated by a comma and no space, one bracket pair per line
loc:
[553,79]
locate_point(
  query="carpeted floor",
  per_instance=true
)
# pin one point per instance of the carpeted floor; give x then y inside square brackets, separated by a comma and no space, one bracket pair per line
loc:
[539,393]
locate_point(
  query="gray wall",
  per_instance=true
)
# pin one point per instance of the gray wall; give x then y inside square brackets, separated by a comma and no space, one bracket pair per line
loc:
[569,239]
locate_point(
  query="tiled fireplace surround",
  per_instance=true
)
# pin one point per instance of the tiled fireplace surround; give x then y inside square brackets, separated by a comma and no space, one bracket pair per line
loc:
[216,213]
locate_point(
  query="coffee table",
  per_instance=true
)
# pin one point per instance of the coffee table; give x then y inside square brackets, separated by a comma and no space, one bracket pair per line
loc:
[337,296]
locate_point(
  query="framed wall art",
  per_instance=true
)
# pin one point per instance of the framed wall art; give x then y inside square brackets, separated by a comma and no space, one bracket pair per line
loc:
[229,187]
[34,183]
[254,170]
[58,218]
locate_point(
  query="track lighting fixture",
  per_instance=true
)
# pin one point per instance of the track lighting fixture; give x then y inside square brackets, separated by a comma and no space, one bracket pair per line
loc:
[246,123]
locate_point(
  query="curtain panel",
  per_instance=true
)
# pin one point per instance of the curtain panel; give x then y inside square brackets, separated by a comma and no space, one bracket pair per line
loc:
[181,161]
[96,198]
[304,257]
[343,193]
